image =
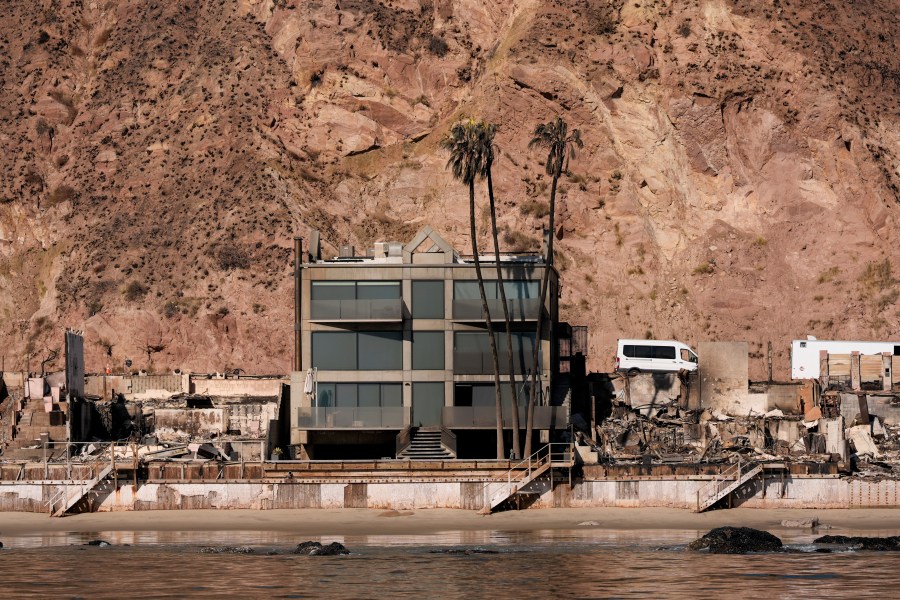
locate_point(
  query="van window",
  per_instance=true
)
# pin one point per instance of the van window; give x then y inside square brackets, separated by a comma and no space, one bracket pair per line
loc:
[628,351]
[685,355]
[667,352]
[693,358]
[643,351]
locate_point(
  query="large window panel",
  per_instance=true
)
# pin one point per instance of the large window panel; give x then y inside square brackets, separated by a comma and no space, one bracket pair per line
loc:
[378,290]
[428,403]
[380,350]
[520,290]
[347,395]
[428,299]
[468,290]
[333,290]
[391,394]
[334,351]
[428,350]
[325,394]
[369,394]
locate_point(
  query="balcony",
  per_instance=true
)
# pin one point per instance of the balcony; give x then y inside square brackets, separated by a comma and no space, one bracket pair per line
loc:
[485,417]
[325,311]
[526,309]
[481,363]
[312,417]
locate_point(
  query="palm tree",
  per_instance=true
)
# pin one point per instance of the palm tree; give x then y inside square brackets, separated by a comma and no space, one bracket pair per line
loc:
[465,142]
[487,142]
[560,145]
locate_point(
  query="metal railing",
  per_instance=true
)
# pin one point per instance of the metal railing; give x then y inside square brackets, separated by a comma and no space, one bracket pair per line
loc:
[734,474]
[485,417]
[356,310]
[353,417]
[95,462]
[523,472]
[482,363]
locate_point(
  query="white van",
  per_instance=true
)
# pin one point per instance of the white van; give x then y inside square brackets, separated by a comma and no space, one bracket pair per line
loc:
[634,356]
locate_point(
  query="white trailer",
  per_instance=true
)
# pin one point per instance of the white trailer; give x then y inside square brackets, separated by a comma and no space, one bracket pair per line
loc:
[805,354]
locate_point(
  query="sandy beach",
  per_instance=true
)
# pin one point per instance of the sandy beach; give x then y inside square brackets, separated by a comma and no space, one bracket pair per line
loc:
[430,521]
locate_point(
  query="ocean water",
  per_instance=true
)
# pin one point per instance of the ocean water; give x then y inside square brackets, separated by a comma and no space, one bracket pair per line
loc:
[584,563]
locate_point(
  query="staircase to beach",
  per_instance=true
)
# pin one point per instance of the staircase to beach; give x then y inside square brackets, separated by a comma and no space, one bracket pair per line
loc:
[524,477]
[427,443]
[727,482]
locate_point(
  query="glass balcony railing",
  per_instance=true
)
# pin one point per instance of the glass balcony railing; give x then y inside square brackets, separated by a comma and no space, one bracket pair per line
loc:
[485,417]
[525,309]
[481,363]
[356,310]
[315,417]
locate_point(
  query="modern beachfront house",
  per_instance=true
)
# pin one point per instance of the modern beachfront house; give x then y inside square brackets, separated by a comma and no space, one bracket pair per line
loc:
[392,356]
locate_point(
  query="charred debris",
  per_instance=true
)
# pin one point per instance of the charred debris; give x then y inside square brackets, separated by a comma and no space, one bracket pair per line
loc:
[659,418]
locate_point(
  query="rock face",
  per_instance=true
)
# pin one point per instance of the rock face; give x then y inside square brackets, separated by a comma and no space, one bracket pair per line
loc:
[317,549]
[736,540]
[881,544]
[739,178]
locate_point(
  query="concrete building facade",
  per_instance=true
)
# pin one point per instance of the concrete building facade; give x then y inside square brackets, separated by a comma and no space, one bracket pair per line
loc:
[396,342]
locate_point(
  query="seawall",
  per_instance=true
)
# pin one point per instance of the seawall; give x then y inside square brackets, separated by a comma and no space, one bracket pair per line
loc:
[795,491]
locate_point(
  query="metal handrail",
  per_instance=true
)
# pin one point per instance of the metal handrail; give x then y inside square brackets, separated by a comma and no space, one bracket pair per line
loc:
[723,480]
[524,468]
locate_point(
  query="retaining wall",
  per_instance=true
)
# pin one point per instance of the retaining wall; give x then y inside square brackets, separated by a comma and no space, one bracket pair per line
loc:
[791,492]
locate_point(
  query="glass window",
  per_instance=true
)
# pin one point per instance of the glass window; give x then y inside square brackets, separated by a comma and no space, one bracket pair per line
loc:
[428,403]
[334,351]
[346,394]
[428,350]
[369,394]
[378,290]
[380,350]
[333,290]
[643,352]
[428,299]
[667,352]
[685,355]
[628,350]
[391,394]
[325,394]
[519,290]
[468,290]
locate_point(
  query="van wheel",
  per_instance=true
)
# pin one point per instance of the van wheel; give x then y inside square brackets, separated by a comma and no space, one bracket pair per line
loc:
[633,372]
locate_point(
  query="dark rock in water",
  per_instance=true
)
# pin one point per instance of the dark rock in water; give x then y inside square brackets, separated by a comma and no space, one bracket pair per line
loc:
[101,543]
[737,540]
[317,549]
[875,544]
[466,551]
[226,550]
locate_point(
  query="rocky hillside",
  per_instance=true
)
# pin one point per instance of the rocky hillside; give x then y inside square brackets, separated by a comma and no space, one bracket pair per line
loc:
[740,176]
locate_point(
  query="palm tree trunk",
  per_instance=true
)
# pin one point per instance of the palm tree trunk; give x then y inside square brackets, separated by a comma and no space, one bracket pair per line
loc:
[545,284]
[487,318]
[511,365]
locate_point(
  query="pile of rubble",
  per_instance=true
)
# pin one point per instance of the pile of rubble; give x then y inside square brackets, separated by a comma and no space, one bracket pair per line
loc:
[664,431]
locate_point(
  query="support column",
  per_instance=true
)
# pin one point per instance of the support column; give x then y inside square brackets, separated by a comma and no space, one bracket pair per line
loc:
[855,376]
[298,334]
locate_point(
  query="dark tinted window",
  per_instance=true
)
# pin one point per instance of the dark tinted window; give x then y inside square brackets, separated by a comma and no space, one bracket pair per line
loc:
[643,352]
[428,299]
[628,351]
[664,352]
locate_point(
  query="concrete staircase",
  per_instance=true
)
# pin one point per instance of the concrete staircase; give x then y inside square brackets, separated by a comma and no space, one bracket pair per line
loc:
[428,443]
[725,483]
[33,425]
